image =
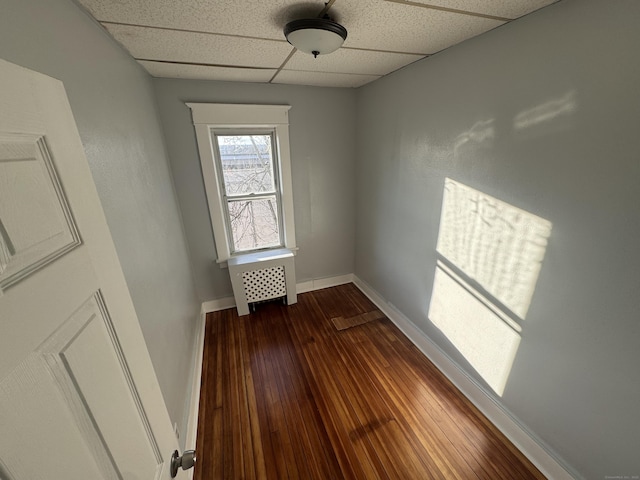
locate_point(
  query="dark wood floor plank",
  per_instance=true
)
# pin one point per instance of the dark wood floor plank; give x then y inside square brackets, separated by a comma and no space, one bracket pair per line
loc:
[380,422]
[286,395]
[254,433]
[232,430]
[416,413]
[217,421]
[290,390]
[324,464]
[469,434]
[380,378]
[425,409]
[356,296]
[403,397]
[285,459]
[336,410]
[362,421]
[263,398]
[337,302]
[337,458]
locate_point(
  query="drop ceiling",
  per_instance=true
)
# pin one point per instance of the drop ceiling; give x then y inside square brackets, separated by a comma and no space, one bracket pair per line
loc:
[242,40]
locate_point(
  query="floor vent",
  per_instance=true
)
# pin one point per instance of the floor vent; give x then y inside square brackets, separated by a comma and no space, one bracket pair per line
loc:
[342,323]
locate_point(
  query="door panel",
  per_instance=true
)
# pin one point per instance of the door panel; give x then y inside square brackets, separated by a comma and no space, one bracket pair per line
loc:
[19,306]
[78,395]
[87,346]
[37,424]
[30,189]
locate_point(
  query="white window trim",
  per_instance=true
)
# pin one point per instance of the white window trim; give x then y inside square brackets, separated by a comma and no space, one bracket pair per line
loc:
[208,116]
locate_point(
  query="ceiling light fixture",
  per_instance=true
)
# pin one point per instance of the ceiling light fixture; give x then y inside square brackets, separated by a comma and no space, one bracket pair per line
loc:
[317,36]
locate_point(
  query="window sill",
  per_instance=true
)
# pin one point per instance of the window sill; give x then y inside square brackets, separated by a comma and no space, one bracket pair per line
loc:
[261,256]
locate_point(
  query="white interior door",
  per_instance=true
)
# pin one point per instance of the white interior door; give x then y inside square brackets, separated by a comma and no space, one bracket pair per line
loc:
[78,395]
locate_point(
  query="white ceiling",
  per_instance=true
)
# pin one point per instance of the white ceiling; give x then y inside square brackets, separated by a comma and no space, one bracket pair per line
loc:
[242,40]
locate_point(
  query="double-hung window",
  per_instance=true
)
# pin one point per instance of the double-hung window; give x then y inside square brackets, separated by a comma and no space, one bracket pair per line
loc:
[244,153]
[246,165]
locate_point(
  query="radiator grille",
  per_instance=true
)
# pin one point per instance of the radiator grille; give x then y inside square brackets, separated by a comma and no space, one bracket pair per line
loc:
[264,284]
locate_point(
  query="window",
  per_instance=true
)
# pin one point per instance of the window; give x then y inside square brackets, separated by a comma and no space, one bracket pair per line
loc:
[246,171]
[244,153]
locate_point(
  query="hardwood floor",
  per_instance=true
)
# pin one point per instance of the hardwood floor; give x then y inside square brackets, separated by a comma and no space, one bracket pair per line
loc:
[285,394]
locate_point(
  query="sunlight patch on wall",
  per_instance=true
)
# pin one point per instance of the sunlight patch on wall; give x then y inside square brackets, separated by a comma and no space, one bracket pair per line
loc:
[491,257]
[475,327]
[481,133]
[494,243]
[546,112]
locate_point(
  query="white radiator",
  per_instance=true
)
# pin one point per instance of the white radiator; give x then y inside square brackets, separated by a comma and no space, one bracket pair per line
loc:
[262,276]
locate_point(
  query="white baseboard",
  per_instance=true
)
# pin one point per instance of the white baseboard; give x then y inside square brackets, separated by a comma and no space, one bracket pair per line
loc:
[219,304]
[320,283]
[194,402]
[301,287]
[524,440]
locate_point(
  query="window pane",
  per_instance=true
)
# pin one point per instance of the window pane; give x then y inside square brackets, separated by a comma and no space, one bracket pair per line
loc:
[254,223]
[247,163]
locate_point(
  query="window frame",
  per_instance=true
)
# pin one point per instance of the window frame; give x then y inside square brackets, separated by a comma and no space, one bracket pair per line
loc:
[212,118]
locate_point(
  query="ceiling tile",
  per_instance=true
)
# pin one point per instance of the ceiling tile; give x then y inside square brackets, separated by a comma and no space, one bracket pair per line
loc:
[390,26]
[498,8]
[383,35]
[252,18]
[346,60]
[199,72]
[158,44]
[322,79]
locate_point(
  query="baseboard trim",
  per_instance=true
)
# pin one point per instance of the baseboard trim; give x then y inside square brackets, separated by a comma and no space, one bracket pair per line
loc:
[219,304]
[194,402]
[301,287]
[321,283]
[524,440]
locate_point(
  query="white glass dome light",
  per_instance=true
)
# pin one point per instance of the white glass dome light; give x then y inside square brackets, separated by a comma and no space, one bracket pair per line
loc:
[316,36]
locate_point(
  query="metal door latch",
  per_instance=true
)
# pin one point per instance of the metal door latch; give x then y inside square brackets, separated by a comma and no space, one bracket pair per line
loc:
[184,461]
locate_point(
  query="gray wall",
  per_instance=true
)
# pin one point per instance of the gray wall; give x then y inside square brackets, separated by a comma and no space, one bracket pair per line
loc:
[113,103]
[322,140]
[573,71]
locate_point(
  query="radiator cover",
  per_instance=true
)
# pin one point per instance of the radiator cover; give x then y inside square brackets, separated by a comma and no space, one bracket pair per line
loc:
[262,276]
[264,284]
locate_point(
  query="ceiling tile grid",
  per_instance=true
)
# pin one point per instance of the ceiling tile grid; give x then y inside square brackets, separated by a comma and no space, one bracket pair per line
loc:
[243,40]
[251,18]
[200,72]
[346,60]
[401,27]
[199,48]
[323,79]
[500,8]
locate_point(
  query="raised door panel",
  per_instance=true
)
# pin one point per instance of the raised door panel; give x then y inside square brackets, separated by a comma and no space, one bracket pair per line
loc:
[78,385]
[36,226]
[87,355]
[39,429]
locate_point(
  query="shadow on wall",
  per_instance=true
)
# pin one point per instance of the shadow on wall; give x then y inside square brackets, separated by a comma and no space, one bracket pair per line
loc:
[490,254]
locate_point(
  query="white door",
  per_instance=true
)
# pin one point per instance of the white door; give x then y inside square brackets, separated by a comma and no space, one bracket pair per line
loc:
[78,395]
